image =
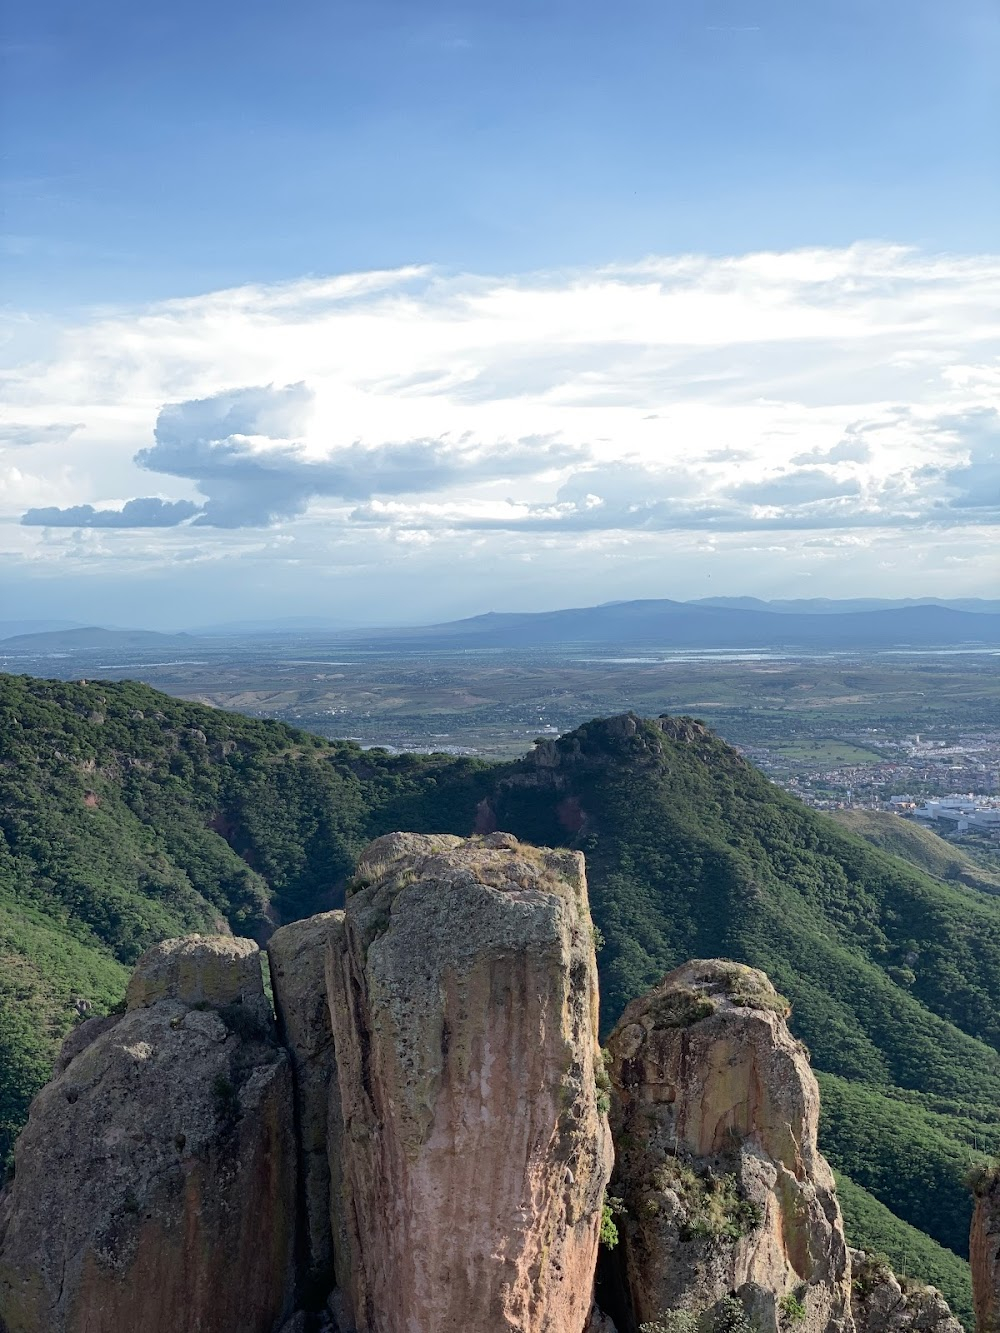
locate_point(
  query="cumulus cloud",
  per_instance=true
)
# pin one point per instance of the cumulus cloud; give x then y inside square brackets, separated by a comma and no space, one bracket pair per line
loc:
[237,448]
[148,512]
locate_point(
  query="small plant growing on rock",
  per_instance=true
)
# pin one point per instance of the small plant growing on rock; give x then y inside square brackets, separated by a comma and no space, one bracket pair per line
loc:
[610,1208]
[602,1081]
[983,1175]
[227,1098]
[868,1271]
[730,1316]
[672,1321]
[792,1308]
[243,1022]
[681,1006]
[714,1207]
[746,988]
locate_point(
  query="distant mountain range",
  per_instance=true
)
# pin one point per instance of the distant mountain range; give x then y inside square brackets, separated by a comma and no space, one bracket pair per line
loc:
[669,625]
[709,623]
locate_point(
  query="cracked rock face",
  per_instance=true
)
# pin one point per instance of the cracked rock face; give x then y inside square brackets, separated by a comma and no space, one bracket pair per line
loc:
[297,955]
[715,1113]
[464,1004]
[155,1180]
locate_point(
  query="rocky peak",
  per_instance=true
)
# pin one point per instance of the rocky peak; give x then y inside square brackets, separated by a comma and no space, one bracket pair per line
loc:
[715,1112]
[420,1144]
[463,995]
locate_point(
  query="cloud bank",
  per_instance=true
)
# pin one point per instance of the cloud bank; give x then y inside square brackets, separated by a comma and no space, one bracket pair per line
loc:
[358,419]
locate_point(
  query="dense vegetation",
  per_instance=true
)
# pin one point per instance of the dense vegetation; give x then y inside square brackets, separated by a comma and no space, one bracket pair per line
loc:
[126,815]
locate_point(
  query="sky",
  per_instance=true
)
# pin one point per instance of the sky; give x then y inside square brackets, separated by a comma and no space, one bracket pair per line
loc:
[391,312]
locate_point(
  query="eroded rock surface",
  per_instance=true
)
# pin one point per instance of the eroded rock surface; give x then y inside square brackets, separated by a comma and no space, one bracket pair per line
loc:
[155,1180]
[715,1112]
[464,1005]
[882,1304]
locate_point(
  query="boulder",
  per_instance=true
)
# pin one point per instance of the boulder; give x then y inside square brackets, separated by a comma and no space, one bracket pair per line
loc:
[154,1184]
[463,996]
[725,1195]
[200,969]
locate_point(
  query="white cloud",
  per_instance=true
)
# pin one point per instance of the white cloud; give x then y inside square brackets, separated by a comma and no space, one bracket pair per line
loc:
[841,389]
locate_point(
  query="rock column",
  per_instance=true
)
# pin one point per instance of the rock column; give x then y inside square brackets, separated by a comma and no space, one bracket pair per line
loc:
[464,1006]
[715,1112]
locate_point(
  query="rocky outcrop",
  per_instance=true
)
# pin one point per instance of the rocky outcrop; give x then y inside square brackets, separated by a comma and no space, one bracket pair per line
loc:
[420,1143]
[984,1249]
[715,1113]
[155,1180]
[464,1005]
[881,1303]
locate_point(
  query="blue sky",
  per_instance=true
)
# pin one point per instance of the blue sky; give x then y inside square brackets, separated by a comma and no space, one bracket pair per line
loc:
[155,150]
[622,287]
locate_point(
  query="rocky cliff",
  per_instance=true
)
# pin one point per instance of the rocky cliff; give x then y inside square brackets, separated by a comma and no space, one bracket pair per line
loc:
[155,1181]
[464,1003]
[715,1113]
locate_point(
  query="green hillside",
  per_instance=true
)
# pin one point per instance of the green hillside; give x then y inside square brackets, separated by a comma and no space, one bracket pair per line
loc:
[922,847]
[126,815]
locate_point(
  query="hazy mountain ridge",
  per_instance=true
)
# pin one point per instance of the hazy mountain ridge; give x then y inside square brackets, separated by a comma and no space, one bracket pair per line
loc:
[92,636]
[719,622]
[667,624]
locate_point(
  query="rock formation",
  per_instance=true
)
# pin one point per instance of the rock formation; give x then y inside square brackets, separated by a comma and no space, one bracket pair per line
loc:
[984,1250]
[881,1303]
[155,1181]
[464,1003]
[715,1112]
[420,1143]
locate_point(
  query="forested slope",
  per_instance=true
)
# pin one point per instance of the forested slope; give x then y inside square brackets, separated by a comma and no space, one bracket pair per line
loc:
[126,815]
